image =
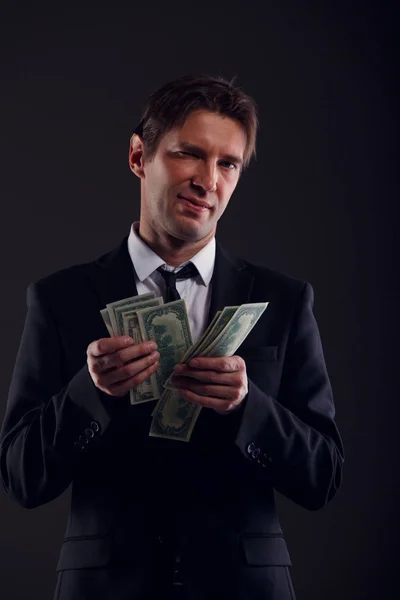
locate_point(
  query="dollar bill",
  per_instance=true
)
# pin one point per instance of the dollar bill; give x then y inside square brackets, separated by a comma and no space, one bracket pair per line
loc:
[239,327]
[190,352]
[172,417]
[131,309]
[167,325]
[217,325]
[146,390]
[146,318]
[199,342]
[223,321]
[113,317]
[132,300]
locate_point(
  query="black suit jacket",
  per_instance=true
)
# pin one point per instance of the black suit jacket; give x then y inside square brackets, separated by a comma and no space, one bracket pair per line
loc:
[137,502]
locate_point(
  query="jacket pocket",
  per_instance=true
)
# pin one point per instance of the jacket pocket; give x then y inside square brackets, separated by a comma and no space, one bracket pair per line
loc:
[263,550]
[84,553]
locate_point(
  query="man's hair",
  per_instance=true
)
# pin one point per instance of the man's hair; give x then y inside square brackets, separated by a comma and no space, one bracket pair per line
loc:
[170,105]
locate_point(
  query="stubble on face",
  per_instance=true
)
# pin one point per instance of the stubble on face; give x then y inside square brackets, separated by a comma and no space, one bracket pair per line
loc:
[167,221]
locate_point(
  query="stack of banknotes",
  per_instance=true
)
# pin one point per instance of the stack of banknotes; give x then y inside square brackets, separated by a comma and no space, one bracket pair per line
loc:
[147,318]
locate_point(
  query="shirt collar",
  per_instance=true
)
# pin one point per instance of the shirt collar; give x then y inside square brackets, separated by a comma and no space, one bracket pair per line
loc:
[146,261]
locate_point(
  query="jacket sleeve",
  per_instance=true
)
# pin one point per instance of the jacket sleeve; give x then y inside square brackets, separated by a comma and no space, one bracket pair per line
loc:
[293,440]
[49,423]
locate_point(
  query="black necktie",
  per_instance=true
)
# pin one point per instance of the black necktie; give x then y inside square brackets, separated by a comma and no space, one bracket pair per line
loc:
[170,278]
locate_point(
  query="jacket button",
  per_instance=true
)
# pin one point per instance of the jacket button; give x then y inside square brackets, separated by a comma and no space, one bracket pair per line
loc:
[256,452]
[250,448]
[78,446]
[95,426]
[89,433]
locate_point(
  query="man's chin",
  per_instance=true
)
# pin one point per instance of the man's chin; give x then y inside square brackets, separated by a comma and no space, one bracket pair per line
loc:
[190,232]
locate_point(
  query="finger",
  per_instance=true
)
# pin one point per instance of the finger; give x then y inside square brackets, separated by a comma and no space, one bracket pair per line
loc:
[213,391]
[137,350]
[119,358]
[107,345]
[222,363]
[121,388]
[215,377]
[128,370]
[219,405]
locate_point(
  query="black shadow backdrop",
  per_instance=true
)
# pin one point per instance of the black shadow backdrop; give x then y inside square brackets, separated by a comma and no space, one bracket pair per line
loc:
[318,205]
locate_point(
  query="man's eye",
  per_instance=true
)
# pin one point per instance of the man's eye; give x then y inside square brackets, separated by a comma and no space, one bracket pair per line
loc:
[230,165]
[187,153]
[224,163]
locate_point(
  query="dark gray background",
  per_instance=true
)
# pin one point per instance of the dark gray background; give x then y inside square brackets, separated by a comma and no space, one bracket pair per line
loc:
[318,204]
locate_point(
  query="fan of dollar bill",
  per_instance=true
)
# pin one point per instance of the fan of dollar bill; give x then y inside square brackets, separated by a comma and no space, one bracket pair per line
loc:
[147,318]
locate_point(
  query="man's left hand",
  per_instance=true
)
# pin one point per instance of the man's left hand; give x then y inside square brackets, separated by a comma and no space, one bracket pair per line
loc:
[217,383]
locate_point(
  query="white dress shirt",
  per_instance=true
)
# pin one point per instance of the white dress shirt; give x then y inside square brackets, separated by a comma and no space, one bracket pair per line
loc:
[195,291]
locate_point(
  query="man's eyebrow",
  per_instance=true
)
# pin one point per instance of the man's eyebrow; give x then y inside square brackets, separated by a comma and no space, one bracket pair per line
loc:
[193,148]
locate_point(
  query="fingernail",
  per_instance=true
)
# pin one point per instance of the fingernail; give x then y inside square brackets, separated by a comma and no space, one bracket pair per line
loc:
[178,368]
[194,363]
[152,346]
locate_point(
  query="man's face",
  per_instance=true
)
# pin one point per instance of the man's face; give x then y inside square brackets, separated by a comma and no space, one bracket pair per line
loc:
[187,185]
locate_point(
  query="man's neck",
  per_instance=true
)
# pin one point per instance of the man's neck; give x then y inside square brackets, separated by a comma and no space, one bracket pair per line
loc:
[173,251]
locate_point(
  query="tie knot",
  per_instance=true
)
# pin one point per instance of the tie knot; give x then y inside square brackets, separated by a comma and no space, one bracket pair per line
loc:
[188,271]
[170,278]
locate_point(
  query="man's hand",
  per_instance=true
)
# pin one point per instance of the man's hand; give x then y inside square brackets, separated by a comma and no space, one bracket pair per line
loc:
[218,383]
[116,364]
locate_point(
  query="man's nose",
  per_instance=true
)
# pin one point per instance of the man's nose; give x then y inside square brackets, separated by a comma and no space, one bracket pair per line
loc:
[206,177]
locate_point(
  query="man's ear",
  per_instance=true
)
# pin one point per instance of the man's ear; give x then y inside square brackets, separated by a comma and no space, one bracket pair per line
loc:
[136,163]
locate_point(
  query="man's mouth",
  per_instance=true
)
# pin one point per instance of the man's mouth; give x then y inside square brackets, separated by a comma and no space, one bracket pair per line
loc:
[200,204]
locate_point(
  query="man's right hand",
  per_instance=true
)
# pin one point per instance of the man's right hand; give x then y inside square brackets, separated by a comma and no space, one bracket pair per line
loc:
[116,364]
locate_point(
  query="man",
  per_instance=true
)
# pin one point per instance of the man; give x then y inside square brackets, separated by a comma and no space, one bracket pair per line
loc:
[158,518]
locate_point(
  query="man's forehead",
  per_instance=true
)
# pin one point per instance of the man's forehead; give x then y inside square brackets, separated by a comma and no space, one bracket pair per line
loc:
[204,120]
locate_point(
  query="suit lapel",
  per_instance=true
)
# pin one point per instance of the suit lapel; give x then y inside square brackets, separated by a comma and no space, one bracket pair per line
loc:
[114,275]
[231,282]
